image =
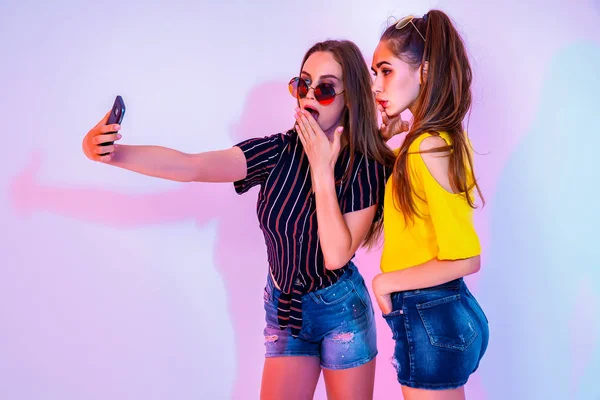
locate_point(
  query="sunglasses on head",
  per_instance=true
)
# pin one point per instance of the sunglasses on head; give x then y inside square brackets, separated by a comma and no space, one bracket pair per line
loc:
[324,92]
[409,20]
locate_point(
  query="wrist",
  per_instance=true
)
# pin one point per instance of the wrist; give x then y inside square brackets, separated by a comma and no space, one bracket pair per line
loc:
[381,285]
[323,178]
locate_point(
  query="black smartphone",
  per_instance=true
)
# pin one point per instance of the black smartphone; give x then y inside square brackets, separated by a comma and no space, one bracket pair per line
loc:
[115,117]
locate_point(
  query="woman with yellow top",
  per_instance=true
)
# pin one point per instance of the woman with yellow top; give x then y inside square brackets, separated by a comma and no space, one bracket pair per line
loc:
[441,332]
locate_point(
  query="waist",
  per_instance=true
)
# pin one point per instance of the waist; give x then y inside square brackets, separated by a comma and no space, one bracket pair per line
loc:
[451,285]
[350,272]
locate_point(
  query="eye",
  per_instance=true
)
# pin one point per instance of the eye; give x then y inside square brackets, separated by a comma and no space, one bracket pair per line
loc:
[386,71]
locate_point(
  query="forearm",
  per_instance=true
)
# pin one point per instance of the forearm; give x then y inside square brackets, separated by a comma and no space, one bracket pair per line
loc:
[431,273]
[166,163]
[334,235]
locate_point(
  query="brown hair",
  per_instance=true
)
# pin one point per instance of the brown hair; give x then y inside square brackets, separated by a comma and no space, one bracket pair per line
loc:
[443,102]
[360,114]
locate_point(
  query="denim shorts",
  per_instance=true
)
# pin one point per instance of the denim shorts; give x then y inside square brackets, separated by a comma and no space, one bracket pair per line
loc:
[338,324]
[441,334]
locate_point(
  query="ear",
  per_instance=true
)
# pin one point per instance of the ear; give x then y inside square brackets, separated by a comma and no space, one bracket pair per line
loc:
[423,68]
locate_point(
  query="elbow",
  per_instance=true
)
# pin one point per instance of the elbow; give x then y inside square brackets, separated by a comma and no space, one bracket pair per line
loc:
[333,263]
[334,266]
[474,264]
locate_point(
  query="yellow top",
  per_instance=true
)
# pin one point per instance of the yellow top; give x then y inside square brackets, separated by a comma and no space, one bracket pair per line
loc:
[443,229]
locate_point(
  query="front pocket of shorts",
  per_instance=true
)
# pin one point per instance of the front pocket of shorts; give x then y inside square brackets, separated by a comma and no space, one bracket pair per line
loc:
[395,321]
[448,323]
[337,293]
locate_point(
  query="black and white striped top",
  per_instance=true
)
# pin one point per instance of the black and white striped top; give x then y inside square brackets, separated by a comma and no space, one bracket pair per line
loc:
[287,213]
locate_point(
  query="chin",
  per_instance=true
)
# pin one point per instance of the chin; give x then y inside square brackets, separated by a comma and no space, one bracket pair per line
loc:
[325,126]
[392,113]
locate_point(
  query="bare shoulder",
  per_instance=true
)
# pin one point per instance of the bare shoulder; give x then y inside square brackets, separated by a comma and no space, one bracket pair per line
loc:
[437,162]
[434,142]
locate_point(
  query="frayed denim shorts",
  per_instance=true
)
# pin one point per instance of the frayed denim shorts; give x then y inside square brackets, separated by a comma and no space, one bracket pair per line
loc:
[338,324]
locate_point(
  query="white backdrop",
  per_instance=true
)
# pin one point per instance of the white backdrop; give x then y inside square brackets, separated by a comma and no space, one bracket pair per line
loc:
[119,286]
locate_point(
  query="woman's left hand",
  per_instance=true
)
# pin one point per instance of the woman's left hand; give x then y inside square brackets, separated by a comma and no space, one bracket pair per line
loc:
[383,297]
[321,152]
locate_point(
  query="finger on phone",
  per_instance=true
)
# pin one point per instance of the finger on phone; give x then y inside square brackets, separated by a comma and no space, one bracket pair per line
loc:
[105,158]
[109,128]
[104,149]
[106,138]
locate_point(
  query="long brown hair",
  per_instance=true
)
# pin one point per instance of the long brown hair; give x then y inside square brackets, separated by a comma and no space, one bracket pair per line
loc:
[360,114]
[442,104]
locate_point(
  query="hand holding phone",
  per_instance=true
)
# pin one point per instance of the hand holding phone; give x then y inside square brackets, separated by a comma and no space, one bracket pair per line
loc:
[116,117]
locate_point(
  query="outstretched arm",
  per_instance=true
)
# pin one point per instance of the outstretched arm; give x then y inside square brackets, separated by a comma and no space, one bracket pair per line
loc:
[161,162]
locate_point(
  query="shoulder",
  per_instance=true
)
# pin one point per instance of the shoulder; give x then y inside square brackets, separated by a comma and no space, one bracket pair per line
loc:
[266,146]
[435,162]
[429,141]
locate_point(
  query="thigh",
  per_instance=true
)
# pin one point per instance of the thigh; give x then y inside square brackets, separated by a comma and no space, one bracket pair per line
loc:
[293,378]
[352,383]
[421,394]
[351,337]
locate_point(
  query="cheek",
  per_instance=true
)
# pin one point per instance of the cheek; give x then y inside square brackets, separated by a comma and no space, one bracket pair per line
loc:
[331,114]
[402,89]
[334,110]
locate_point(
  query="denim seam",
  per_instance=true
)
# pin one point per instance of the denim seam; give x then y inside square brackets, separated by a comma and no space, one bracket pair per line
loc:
[411,352]
[291,354]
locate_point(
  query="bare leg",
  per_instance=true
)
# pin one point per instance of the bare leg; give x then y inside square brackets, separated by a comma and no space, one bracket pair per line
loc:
[422,394]
[290,378]
[350,384]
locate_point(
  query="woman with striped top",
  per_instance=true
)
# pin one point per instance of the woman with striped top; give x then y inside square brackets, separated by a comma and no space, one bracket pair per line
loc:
[439,329]
[320,198]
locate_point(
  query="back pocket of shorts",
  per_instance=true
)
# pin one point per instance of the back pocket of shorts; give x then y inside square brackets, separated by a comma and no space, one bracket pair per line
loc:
[448,323]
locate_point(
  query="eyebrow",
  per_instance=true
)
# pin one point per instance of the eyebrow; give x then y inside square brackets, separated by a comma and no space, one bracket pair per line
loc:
[380,63]
[322,76]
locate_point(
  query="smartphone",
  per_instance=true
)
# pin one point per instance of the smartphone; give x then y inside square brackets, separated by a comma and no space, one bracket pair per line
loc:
[115,117]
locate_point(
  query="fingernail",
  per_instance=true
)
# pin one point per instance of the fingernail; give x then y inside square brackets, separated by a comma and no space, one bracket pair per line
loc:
[297,109]
[119,136]
[116,127]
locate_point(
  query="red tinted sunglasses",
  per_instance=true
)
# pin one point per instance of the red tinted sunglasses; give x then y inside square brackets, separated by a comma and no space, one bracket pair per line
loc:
[324,92]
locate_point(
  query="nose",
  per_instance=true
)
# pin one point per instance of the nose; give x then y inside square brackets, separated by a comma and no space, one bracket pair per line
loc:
[310,94]
[376,87]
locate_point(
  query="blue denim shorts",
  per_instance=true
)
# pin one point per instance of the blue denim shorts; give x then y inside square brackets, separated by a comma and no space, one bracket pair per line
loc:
[338,324]
[441,334]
